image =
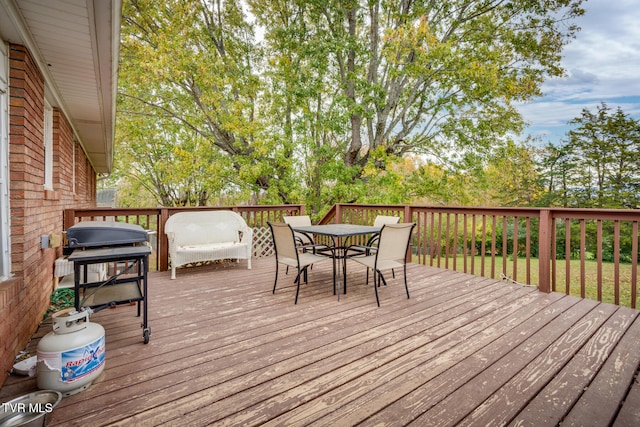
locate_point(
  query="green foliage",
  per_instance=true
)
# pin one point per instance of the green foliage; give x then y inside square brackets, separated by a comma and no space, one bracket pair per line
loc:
[513,176]
[599,163]
[187,98]
[333,98]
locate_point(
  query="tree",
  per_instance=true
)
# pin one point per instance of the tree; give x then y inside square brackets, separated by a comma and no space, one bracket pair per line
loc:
[598,165]
[188,87]
[375,79]
[556,168]
[513,176]
[337,90]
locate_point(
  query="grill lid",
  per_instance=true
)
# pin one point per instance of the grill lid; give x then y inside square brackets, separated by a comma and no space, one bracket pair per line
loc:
[104,233]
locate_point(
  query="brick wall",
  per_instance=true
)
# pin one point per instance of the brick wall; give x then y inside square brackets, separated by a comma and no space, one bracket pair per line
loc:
[34,210]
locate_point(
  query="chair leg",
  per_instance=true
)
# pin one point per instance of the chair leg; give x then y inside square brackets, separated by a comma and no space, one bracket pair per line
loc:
[334,275]
[405,280]
[384,282]
[344,275]
[302,275]
[376,278]
[298,288]
[276,281]
[333,262]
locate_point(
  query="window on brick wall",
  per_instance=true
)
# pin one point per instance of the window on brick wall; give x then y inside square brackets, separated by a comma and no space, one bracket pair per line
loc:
[48,146]
[5,238]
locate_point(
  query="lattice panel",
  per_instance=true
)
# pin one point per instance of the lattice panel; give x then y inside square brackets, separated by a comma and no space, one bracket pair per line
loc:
[262,242]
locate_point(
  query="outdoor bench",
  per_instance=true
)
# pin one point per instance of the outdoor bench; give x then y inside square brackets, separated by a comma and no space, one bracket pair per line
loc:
[207,236]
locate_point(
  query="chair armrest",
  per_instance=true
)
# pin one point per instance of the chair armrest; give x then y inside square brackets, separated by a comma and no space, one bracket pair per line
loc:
[373,240]
[363,250]
[308,236]
[171,238]
[247,235]
[317,248]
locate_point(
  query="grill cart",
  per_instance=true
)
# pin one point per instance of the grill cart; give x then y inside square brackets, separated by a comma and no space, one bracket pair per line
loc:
[124,248]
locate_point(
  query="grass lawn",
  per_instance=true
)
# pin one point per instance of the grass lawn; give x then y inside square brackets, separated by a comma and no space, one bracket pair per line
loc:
[590,268]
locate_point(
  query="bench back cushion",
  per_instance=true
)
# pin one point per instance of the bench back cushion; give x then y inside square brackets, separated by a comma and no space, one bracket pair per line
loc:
[204,227]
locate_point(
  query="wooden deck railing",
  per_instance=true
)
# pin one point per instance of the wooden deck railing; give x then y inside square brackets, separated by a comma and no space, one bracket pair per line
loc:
[592,253]
[153,220]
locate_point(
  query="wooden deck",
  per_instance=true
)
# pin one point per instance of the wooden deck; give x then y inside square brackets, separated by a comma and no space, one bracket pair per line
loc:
[462,351]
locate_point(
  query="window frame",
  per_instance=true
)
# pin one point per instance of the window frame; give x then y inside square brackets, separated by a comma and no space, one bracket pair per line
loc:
[48,146]
[5,214]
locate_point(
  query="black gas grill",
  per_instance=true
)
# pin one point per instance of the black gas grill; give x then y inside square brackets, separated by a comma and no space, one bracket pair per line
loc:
[91,234]
[124,247]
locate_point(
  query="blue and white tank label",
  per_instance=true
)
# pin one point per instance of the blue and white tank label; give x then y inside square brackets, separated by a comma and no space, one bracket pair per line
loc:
[77,363]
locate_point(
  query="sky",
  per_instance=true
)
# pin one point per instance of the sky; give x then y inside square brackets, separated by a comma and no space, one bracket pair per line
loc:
[602,65]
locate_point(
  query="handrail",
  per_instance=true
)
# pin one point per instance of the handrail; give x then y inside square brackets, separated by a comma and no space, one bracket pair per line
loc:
[154,219]
[524,245]
[588,252]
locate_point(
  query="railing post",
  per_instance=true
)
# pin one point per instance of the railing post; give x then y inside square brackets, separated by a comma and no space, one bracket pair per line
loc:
[163,242]
[338,218]
[68,218]
[544,250]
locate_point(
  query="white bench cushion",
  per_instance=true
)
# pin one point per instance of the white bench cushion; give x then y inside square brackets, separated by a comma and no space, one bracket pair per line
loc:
[207,236]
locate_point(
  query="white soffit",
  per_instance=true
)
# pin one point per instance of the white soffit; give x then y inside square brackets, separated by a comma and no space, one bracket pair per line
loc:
[76,43]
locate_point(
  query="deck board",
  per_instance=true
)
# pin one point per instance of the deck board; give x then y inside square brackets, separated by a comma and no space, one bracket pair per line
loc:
[462,350]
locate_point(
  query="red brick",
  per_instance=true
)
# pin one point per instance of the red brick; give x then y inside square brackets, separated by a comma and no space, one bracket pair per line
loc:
[25,299]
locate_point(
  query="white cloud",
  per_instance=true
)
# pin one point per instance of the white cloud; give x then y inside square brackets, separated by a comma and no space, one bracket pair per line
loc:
[602,65]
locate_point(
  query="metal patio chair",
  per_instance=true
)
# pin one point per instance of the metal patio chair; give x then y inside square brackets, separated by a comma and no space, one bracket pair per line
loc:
[288,252]
[390,253]
[379,221]
[305,240]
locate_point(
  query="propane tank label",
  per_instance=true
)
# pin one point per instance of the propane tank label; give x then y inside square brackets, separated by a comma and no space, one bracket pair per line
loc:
[82,361]
[77,363]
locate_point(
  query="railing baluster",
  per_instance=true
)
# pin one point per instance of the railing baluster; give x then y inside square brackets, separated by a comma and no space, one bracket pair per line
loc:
[515,248]
[446,241]
[483,244]
[504,245]
[473,244]
[554,254]
[528,249]
[567,255]
[439,241]
[545,247]
[493,246]
[599,260]
[583,244]
[455,241]
[634,264]
[464,242]
[616,261]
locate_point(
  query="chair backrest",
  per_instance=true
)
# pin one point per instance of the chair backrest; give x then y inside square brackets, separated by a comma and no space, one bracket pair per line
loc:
[297,220]
[283,240]
[394,241]
[385,219]
[300,221]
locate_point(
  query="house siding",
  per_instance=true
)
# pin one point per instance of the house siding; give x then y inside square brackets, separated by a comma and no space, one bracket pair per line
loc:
[35,211]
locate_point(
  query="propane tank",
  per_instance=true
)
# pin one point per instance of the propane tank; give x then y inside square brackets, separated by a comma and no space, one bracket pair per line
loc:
[72,355]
